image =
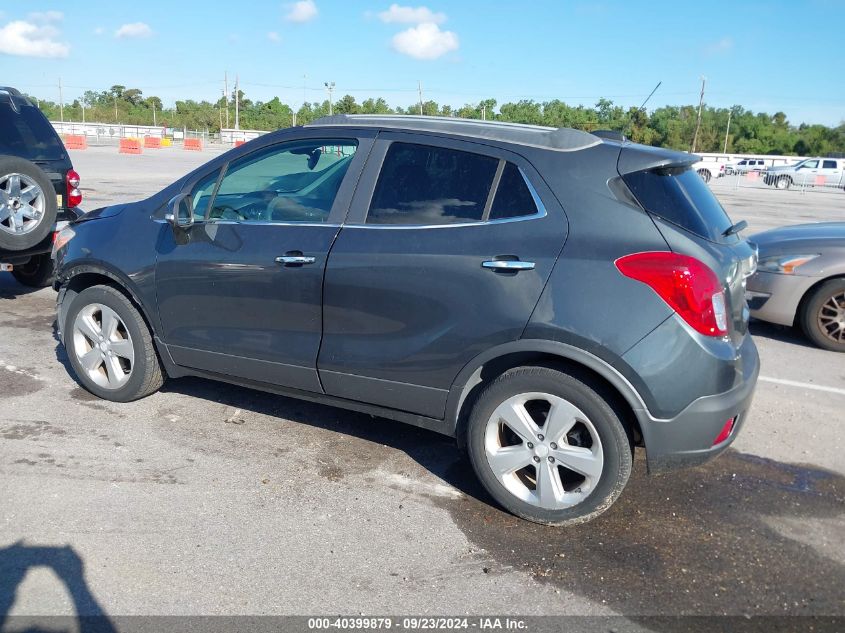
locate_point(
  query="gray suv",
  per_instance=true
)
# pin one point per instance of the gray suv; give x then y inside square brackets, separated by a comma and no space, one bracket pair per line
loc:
[548,297]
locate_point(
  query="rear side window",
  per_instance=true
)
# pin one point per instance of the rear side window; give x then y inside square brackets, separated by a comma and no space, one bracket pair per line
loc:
[679,196]
[422,184]
[829,164]
[26,133]
[513,197]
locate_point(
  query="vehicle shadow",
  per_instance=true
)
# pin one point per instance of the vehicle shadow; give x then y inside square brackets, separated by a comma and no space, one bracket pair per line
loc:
[11,289]
[15,562]
[780,333]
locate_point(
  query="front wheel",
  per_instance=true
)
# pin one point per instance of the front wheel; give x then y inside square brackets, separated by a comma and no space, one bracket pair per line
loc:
[705,175]
[823,316]
[110,346]
[783,182]
[38,272]
[548,447]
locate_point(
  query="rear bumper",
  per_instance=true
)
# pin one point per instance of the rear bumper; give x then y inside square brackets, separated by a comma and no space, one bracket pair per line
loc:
[65,217]
[687,438]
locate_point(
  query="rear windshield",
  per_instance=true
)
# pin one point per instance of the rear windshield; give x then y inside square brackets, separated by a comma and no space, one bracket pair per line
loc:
[680,196]
[26,133]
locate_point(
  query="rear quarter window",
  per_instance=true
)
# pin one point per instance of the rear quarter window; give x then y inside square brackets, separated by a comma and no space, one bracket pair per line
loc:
[26,133]
[681,197]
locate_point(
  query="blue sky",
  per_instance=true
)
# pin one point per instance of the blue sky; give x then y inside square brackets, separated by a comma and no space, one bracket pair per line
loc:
[766,56]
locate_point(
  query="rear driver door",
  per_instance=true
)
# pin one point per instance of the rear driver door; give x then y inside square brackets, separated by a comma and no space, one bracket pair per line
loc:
[446,250]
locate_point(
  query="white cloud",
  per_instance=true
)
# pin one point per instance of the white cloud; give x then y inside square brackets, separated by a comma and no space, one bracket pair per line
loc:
[302,11]
[133,29]
[724,45]
[425,41]
[31,39]
[99,30]
[274,37]
[410,15]
[46,16]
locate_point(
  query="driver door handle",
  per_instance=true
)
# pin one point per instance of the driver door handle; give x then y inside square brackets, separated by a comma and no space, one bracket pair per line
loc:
[295,260]
[507,265]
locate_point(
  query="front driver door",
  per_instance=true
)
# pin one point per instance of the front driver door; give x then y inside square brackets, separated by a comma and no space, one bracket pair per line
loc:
[239,292]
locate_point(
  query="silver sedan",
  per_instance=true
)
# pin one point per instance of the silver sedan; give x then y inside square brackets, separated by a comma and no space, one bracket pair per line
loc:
[800,280]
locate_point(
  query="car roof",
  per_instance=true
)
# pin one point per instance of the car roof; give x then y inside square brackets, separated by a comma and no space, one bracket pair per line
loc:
[550,138]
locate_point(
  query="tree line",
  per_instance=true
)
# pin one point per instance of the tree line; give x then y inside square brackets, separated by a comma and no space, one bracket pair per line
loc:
[668,126]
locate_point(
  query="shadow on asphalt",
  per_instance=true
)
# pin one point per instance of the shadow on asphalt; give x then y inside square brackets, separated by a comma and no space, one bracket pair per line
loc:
[738,535]
[780,333]
[18,559]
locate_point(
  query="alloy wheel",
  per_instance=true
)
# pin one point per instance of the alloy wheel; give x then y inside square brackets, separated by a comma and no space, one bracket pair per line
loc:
[22,204]
[831,318]
[544,450]
[103,346]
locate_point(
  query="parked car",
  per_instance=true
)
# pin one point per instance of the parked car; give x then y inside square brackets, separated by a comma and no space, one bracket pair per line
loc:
[39,189]
[801,281]
[812,172]
[548,297]
[709,169]
[746,165]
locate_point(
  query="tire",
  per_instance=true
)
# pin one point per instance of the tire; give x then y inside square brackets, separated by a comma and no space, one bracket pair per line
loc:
[597,443]
[38,272]
[132,370]
[823,323]
[705,175]
[783,182]
[27,204]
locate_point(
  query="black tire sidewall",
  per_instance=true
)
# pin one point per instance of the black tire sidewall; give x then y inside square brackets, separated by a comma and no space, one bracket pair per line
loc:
[134,322]
[11,165]
[810,312]
[39,277]
[616,443]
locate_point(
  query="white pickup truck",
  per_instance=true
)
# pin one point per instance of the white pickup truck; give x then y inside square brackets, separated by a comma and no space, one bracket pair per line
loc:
[812,172]
[708,169]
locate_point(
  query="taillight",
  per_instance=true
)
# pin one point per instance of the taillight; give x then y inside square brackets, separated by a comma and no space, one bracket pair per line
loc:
[689,286]
[74,195]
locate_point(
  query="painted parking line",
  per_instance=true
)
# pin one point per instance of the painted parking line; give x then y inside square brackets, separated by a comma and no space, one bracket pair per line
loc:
[802,385]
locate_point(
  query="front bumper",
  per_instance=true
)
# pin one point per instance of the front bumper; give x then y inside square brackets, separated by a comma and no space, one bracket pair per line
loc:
[687,438]
[775,297]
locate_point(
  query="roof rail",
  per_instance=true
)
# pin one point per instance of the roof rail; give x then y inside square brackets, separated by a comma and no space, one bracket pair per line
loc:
[557,139]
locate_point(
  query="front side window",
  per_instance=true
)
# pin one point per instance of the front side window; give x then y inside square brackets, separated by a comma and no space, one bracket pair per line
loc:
[293,182]
[422,184]
[201,195]
[809,164]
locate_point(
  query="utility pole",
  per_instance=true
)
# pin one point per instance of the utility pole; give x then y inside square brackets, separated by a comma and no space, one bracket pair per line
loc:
[294,118]
[154,112]
[82,101]
[226,94]
[698,121]
[725,150]
[419,90]
[330,87]
[237,105]
[484,112]
[61,102]
[115,108]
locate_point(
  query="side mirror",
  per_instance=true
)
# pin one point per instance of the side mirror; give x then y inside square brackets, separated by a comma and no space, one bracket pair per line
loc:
[180,211]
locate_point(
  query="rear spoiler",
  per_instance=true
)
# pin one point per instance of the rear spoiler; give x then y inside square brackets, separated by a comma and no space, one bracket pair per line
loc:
[634,158]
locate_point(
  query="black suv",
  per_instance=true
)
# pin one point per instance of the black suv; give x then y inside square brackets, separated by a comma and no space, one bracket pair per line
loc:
[549,297]
[39,190]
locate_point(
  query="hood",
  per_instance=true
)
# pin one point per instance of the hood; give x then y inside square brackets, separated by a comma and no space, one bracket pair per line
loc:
[103,212]
[786,239]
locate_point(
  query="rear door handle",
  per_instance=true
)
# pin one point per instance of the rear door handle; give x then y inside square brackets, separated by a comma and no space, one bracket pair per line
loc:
[295,260]
[506,264]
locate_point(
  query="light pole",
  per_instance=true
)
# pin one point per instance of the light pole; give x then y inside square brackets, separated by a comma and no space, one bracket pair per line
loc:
[330,87]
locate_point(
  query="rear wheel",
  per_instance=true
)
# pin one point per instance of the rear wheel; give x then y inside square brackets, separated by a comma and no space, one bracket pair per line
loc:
[823,315]
[110,346]
[36,273]
[783,182]
[548,447]
[27,204]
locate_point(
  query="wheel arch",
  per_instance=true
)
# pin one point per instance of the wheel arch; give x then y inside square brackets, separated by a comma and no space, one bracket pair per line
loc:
[809,292]
[491,364]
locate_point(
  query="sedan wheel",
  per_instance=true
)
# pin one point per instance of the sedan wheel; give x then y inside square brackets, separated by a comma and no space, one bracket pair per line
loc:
[823,315]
